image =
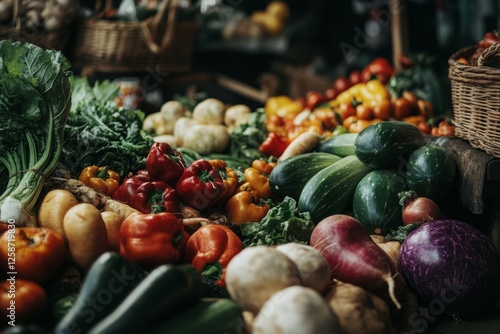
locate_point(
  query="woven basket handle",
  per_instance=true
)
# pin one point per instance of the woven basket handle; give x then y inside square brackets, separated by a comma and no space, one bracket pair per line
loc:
[18,7]
[488,54]
[153,46]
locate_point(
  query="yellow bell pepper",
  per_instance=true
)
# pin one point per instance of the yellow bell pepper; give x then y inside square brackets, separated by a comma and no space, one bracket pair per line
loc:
[282,106]
[373,90]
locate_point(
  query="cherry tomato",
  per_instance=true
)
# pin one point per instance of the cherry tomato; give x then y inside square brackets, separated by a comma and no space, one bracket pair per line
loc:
[412,98]
[341,84]
[435,131]
[330,93]
[425,108]
[21,300]
[382,110]
[446,129]
[364,112]
[325,116]
[313,99]
[39,252]
[354,77]
[401,108]
[424,127]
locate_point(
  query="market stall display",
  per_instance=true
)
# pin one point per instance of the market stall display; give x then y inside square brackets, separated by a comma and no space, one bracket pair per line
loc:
[336,211]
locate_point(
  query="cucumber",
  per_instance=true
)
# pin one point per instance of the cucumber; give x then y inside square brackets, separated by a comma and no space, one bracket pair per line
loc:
[331,190]
[341,145]
[209,316]
[106,284]
[290,176]
[376,201]
[431,172]
[166,289]
[387,144]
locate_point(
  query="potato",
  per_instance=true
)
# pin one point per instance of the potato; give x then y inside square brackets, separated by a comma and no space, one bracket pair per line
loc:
[86,233]
[296,310]
[54,206]
[113,222]
[358,310]
[313,267]
[255,273]
[391,248]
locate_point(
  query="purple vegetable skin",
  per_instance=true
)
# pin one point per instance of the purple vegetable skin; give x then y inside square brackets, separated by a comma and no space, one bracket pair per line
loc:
[451,267]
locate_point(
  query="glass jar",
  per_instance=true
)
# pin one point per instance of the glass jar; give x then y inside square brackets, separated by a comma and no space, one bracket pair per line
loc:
[130,94]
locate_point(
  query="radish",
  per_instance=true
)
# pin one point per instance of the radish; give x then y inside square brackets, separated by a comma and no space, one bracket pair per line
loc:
[354,257]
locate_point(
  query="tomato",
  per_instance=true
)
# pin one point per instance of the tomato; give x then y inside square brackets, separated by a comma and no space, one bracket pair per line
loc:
[21,300]
[354,77]
[346,110]
[424,127]
[364,112]
[313,99]
[446,129]
[379,68]
[341,84]
[382,110]
[330,93]
[35,253]
[326,116]
[401,108]
[349,121]
[435,131]
[425,108]
[412,98]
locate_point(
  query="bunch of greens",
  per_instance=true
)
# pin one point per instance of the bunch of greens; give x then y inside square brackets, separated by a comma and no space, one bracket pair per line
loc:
[100,133]
[282,224]
[35,99]
[247,137]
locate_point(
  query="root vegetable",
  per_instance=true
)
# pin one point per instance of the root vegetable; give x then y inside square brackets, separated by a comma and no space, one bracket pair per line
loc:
[102,202]
[313,267]
[305,142]
[255,273]
[169,139]
[359,311]
[113,222]
[54,206]
[182,126]
[86,234]
[236,115]
[354,257]
[207,138]
[296,310]
[391,248]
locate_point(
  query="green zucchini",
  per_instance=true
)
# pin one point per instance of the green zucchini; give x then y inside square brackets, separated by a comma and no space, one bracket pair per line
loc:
[431,172]
[387,144]
[290,176]
[208,316]
[330,191]
[166,289]
[376,202]
[341,145]
[106,284]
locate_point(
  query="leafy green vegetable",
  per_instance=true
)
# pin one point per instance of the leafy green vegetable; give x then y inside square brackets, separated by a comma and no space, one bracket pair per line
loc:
[35,100]
[247,137]
[282,224]
[100,133]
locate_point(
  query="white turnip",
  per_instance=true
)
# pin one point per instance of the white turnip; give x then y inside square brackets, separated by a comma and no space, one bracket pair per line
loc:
[354,257]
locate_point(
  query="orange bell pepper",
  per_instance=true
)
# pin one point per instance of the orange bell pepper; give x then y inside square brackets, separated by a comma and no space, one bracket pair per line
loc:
[229,177]
[259,182]
[245,207]
[263,166]
[101,179]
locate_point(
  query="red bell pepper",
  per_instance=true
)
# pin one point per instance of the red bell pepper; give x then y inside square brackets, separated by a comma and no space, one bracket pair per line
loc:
[379,68]
[200,186]
[210,249]
[156,197]
[128,188]
[164,163]
[274,145]
[151,240]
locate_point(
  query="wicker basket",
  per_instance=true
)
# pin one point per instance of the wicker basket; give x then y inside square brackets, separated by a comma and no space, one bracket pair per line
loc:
[475,95]
[300,81]
[159,43]
[19,32]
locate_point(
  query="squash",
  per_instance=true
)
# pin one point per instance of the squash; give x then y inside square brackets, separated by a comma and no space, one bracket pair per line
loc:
[331,190]
[341,145]
[431,172]
[376,202]
[387,144]
[290,176]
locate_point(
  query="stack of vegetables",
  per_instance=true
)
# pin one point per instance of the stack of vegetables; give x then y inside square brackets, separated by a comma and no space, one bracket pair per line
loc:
[343,232]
